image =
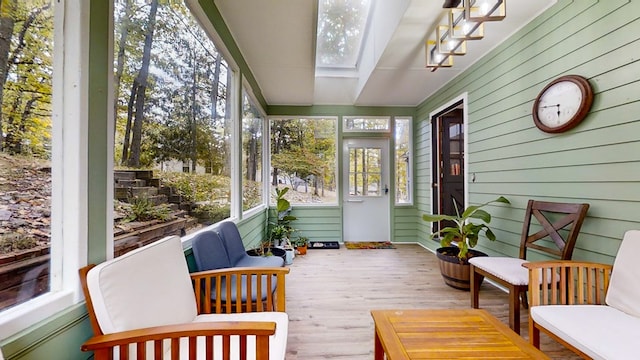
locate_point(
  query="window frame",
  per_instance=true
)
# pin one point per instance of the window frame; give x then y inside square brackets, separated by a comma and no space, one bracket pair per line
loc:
[69,170]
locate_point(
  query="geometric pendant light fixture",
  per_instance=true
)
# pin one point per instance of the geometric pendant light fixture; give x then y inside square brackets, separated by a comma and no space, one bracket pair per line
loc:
[463,21]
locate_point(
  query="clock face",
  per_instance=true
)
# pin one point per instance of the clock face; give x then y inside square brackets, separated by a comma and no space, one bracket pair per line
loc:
[562,104]
[559,104]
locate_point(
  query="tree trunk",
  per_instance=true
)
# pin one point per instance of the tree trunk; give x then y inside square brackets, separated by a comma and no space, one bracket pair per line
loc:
[6,33]
[126,142]
[227,126]
[14,138]
[122,43]
[214,88]
[252,165]
[193,115]
[136,140]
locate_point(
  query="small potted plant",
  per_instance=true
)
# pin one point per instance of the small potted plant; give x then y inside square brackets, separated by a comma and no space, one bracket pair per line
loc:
[454,264]
[301,244]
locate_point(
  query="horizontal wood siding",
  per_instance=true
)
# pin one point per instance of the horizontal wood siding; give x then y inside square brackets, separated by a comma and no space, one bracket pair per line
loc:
[318,223]
[252,229]
[597,162]
[404,224]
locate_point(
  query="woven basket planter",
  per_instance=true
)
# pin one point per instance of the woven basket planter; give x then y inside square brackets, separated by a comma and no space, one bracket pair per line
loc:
[455,272]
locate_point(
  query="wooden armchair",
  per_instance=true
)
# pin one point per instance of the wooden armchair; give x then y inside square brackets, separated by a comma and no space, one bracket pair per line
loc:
[568,283]
[548,238]
[592,309]
[146,305]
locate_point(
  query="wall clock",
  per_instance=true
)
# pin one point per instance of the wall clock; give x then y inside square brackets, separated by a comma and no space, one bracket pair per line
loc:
[562,104]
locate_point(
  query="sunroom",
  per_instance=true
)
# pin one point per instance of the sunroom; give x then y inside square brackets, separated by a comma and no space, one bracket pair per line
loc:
[370,130]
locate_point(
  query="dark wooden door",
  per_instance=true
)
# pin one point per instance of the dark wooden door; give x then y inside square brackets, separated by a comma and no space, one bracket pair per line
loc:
[449,165]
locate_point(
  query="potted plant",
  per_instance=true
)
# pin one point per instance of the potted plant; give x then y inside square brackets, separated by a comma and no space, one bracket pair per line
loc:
[279,230]
[301,244]
[453,260]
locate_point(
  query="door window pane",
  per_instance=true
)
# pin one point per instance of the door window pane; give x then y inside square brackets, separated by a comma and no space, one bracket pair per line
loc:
[25,150]
[303,158]
[456,138]
[365,171]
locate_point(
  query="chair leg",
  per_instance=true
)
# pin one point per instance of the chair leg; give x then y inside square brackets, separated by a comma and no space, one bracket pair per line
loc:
[534,334]
[475,288]
[524,299]
[514,310]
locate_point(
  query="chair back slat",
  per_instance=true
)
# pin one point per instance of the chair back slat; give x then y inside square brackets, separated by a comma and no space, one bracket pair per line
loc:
[555,219]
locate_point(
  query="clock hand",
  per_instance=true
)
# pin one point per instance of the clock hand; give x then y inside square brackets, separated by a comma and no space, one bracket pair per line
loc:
[550,106]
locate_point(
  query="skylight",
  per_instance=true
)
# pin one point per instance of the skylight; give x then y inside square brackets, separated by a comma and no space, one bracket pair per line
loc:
[341,28]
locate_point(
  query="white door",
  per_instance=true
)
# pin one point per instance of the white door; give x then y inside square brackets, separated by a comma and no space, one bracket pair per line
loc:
[366,190]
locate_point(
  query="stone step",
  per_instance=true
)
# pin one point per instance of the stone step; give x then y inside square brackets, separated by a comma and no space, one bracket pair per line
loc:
[144,174]
[131,183]
[166,190]
[158,199]
[146,191]
[124,193]
[124,175]
[154,182]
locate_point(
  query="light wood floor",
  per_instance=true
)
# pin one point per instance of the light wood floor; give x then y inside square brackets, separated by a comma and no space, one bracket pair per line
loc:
[330,294]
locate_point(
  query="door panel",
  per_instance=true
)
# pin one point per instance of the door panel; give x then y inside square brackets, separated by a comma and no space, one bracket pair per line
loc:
[366,188]
[449,186]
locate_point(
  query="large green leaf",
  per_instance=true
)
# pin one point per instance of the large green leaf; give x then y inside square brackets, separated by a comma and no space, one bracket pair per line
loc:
[482,215]
[438,217]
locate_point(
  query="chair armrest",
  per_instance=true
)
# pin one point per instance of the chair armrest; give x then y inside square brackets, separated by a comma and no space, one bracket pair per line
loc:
[104,345]
[203,280]
[567,282]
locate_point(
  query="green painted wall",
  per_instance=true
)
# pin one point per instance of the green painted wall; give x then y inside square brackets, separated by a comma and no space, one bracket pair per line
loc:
[596,162]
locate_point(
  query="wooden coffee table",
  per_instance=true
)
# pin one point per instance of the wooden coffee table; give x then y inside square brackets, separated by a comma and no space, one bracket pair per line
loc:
[447,334]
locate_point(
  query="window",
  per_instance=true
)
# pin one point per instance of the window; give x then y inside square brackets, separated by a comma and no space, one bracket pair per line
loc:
[366,124]
[252,126]
[403,160]
[303,158]
[341,29]
[25,151]
[173,108]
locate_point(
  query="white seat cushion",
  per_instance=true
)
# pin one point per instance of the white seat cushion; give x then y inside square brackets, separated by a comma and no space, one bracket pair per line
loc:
[146,287]
[600,331]
[505,268]
[277,342]
[624,288]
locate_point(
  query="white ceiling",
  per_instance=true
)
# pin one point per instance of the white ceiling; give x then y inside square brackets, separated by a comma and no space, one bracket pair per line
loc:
[277,40]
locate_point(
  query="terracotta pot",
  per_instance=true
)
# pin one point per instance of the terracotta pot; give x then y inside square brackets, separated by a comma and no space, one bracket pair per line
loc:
[456,272]
[302,250]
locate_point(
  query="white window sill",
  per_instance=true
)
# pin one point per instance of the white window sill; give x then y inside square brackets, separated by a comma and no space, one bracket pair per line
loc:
[22,316]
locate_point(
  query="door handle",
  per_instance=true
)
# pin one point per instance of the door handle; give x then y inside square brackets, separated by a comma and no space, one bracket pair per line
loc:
[355,201]
[386,189]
